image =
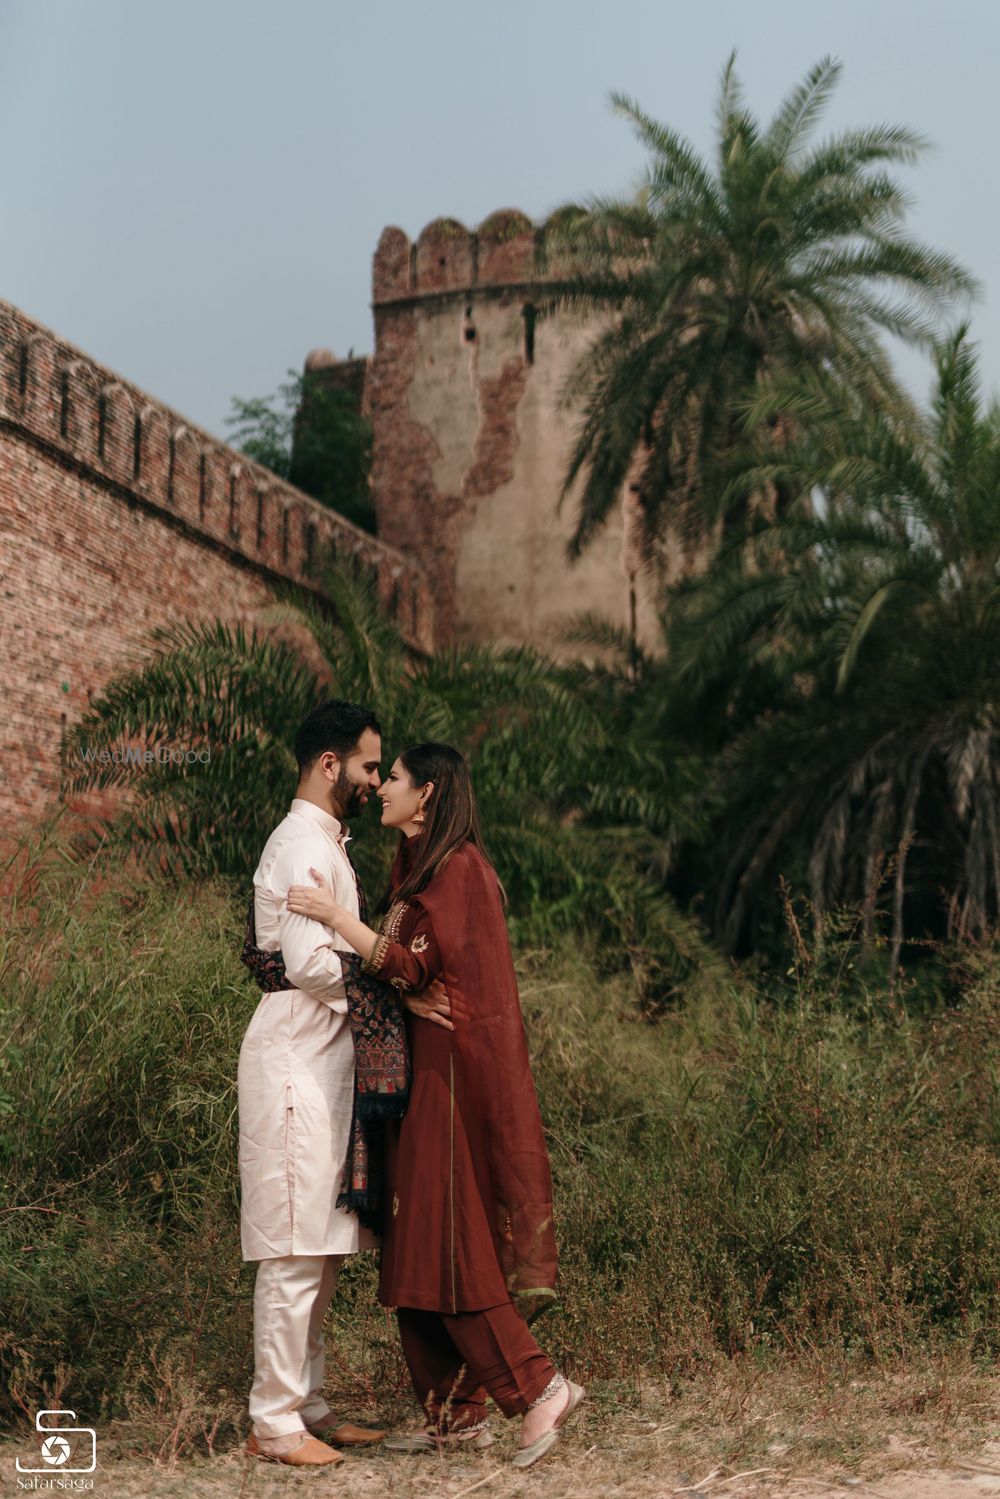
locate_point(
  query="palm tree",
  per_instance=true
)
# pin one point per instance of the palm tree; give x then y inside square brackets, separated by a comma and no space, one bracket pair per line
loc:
[877,617]
[784,256]
[573,853]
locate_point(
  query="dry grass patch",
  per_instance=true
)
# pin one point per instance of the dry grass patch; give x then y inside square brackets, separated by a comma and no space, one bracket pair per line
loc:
[922,1430]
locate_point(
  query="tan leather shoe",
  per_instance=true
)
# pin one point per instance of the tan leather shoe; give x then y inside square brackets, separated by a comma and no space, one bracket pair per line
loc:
[308,1454]
[346,1434]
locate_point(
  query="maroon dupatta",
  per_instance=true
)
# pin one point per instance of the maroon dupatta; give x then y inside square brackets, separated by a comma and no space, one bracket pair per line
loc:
[500,1106]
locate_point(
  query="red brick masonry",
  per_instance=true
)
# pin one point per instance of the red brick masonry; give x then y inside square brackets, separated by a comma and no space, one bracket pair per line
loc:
[117,515]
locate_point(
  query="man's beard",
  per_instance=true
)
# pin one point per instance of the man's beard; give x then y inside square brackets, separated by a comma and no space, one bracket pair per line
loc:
[348,795]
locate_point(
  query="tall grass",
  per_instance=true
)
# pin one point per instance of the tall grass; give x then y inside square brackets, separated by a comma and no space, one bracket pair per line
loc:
[764,1173]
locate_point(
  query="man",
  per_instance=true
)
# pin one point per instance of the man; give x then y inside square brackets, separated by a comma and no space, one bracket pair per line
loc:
[295,1088]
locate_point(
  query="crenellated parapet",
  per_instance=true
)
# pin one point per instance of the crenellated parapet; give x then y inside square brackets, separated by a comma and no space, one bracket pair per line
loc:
[507,250]
[89,418]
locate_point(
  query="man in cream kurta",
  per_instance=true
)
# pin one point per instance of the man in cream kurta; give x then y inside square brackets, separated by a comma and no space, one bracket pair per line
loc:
[295,1087]
[296,1068]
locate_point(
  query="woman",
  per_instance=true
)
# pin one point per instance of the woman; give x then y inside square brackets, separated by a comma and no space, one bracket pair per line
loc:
[468,1220]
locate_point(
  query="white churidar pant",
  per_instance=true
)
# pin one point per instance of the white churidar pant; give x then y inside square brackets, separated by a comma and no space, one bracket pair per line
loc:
[290,1299]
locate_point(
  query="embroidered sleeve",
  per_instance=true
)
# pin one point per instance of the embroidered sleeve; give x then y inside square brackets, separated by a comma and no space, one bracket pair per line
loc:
[411,966]
[374,961]
[387,934]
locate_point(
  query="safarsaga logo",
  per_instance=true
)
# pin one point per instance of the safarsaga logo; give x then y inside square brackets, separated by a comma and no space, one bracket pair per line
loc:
[66,1452]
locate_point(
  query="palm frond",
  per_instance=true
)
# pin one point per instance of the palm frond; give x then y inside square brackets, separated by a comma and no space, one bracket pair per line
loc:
[799,113]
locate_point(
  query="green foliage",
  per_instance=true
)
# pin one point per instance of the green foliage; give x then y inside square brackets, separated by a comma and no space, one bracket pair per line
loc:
[807,1168]
[570,811]
[785,255]
[825,709]
[872,608]
[312,435]
[825,705]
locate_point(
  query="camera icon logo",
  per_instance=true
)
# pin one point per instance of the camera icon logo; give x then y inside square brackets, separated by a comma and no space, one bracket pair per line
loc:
[64,1446]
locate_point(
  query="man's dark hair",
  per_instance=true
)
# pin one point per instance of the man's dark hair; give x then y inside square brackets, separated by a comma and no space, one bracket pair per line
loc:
[335,726]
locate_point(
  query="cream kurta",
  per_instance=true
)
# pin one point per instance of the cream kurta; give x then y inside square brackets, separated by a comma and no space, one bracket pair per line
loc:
[295,1079]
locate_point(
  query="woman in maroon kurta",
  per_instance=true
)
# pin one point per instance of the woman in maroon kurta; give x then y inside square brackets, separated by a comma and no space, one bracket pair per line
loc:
[468,1241]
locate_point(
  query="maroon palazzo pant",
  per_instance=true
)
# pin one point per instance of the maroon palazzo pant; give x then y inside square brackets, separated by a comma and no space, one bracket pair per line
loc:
[456,1360]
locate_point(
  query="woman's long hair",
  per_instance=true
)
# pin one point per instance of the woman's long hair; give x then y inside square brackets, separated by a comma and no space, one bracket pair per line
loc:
[452,816]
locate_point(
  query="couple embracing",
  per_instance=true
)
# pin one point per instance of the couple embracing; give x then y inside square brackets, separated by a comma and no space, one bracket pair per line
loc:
[385,1100]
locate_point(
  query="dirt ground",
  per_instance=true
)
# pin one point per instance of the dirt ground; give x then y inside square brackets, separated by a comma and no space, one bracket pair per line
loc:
[913,1433]
[633,1470]
[580,1474]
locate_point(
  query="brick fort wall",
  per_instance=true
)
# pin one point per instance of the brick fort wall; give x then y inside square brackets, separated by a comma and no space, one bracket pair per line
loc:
[116,515]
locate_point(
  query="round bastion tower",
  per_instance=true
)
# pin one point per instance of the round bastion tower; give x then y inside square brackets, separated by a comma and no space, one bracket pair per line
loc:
[470,445]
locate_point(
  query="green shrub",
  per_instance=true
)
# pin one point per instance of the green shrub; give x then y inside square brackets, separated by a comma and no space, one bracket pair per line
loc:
[751,1173]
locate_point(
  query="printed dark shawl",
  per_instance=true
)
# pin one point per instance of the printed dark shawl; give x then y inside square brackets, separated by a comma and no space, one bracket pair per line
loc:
[381,1063]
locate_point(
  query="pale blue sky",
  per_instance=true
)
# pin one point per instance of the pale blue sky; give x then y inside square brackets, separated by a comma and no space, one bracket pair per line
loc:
[192,191]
